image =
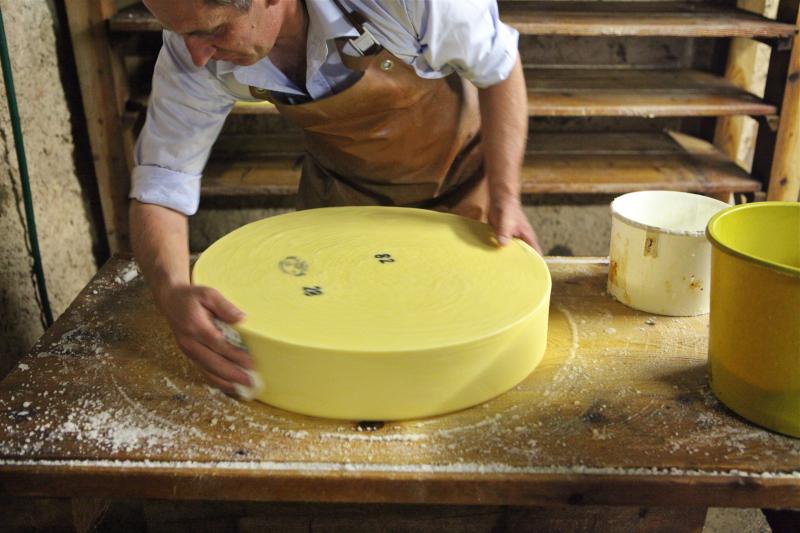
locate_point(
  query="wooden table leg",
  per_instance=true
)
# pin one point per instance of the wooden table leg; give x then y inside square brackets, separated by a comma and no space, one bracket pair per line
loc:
[783,520]
[87,513]
[607,519]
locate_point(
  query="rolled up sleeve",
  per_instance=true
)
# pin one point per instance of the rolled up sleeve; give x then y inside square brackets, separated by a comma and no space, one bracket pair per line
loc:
[168,188]
[465,36]
[187,109]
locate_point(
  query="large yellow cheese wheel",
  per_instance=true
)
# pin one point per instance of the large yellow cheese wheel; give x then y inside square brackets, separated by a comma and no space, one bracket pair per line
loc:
[381,313]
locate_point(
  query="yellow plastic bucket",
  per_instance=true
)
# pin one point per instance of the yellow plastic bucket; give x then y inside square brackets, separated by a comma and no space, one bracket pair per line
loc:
[754,340]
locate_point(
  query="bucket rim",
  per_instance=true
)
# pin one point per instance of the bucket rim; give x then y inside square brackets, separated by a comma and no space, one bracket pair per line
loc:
[717,243]
[615,213]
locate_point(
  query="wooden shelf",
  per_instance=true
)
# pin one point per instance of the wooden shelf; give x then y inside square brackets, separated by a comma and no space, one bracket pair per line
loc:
[246,165]
[134,18]
[612,92]
[611,163]
[679,19]
[638,19]
[555,163]
[631,92]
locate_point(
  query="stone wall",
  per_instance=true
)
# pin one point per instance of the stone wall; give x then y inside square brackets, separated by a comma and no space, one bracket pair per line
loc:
[67,234]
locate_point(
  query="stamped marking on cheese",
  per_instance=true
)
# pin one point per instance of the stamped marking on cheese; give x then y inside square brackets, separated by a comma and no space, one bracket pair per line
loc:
[293,266]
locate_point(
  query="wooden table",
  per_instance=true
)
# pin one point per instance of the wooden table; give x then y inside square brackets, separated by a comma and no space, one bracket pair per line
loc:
[618,413]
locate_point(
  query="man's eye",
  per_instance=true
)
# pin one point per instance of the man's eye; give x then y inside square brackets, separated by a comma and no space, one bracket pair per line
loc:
[208,33]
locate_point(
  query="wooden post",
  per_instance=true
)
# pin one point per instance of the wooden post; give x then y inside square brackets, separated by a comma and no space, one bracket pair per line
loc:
[774,147]
[784,181]
[748,61]
[87,513]
[99,73]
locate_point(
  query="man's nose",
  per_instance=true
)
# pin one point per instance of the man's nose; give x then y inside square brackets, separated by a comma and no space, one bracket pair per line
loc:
[200,50]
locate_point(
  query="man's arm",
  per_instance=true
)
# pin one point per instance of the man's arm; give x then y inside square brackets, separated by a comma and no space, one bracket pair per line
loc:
[159,239]
[468,37]
[504,131]
[188,107]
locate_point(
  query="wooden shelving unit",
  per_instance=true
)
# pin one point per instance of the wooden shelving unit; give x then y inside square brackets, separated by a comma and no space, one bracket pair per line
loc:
[638,18]
[556,162]
[560,163]
[560,17]
[613,92]
[647,93]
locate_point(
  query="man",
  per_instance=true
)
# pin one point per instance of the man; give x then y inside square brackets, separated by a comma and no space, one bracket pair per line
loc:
[385,123]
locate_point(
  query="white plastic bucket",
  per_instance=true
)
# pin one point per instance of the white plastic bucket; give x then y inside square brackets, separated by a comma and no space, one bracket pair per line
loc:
[660,260]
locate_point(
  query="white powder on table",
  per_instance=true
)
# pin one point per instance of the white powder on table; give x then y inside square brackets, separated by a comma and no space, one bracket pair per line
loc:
[450,468]
[128,274]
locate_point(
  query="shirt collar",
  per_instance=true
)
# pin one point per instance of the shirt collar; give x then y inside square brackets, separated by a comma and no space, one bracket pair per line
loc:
[329,20]
[324,19]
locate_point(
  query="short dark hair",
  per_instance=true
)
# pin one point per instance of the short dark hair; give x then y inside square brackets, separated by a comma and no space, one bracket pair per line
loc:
[244,5]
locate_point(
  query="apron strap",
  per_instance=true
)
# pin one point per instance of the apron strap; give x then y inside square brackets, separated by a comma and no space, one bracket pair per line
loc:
[366,43]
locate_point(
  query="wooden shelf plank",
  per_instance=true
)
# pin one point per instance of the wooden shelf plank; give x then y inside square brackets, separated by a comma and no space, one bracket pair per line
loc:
[636,92]
[587,163]
[132,19]
[614,92]
[638,19]
[582,18]
[560,163]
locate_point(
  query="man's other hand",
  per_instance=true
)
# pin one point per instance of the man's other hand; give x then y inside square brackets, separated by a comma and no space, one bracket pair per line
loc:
[508,220]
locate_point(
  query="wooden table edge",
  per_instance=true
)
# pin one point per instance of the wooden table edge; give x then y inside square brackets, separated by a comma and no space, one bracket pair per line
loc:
[199,482]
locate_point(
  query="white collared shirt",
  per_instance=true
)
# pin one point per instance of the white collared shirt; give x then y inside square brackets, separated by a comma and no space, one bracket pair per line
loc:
[188,105]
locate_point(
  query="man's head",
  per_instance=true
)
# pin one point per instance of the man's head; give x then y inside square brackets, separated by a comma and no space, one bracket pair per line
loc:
[239,31]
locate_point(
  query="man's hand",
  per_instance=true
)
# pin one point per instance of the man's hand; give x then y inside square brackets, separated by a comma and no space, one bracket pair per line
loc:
[508,220]
[159,238]
[190,311]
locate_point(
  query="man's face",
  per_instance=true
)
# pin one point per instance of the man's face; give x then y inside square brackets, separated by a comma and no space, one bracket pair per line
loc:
[220,32]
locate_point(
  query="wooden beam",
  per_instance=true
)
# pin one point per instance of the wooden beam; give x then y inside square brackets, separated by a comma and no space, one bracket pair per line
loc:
[87,513]
[99,75]
[784,182]
[777,77]
[748,62]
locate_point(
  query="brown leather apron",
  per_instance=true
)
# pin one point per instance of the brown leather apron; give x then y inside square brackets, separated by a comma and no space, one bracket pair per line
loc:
[393,139]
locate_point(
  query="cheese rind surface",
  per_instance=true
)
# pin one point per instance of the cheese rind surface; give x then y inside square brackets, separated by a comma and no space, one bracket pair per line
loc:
[380,313]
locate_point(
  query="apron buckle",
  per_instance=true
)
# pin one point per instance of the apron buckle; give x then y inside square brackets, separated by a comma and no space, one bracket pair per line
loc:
[366,43]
